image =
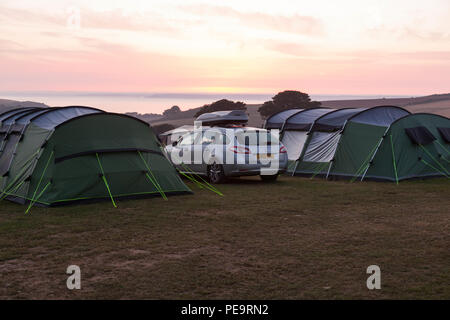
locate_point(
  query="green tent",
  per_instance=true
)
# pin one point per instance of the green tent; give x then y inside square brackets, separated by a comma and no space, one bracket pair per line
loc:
[61,155]
[381,143]
[7,118]
[294,126]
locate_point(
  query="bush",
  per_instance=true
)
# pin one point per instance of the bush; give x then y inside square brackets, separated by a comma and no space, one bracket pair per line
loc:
[172,111]
[221,105]
[287,100]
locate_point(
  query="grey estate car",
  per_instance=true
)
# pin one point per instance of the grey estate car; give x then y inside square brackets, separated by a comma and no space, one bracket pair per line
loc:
[218,152]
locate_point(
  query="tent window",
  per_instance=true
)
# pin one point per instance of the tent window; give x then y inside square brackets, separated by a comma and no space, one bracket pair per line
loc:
[445,133]
[420,135]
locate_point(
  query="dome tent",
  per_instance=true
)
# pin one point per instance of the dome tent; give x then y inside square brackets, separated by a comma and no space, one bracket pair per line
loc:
[80,153]
[340,141]
[413,147]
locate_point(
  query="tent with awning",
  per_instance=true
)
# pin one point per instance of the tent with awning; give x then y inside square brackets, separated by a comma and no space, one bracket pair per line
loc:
[380,143]
[339,141]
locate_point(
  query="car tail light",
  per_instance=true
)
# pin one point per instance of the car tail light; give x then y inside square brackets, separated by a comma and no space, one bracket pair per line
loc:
[241,150]
[283,149]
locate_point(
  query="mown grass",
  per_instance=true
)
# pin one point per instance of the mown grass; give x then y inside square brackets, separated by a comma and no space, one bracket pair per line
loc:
[295,239]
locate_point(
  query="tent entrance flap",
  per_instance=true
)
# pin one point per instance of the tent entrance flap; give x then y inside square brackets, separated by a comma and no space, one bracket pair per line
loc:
[322,146]
[420,135]
[294,142]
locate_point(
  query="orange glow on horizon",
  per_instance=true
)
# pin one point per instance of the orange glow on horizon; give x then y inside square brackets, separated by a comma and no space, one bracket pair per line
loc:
[195,46]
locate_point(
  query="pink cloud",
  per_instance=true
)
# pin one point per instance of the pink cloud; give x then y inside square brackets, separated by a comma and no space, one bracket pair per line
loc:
[117,20]
[26,16]
[123,69]
[108,20]
[98,65]
[295,23]
[407,33]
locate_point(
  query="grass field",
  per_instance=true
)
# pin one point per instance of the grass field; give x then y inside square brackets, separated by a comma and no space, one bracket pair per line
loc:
[295,239]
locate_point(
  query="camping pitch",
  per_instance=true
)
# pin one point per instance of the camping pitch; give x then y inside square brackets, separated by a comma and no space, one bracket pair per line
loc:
[60,155]
[381,143]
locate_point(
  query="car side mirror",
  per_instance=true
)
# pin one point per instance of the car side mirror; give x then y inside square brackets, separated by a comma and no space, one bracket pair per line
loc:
[174,143]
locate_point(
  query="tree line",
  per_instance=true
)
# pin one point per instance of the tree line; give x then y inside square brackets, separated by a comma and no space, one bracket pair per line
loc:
[285,100]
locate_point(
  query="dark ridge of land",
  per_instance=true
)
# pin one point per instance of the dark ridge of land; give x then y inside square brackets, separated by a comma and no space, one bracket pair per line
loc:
[439,104]
[6,104]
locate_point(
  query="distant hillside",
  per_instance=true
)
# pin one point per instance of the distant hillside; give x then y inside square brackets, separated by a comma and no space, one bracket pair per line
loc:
[401,102]
[6,105]
[179,116]
[148,117]
[438,103]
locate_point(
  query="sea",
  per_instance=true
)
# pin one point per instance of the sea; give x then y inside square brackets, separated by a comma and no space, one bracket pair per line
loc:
[157,102]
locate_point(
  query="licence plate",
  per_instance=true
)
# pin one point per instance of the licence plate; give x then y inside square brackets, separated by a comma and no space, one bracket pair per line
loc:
[265,156]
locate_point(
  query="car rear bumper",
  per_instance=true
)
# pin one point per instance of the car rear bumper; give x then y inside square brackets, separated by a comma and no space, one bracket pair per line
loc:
[235,170]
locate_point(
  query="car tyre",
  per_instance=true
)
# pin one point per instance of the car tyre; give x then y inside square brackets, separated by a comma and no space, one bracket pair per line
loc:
[216,173]
[267,178]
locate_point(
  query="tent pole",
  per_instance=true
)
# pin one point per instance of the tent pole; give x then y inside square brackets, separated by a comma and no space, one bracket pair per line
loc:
[432,158]
[105,181]
[17,177]
[434,168]
[33,201]
[207,185]
[375,153]
[329,168]
[295,168]
[445,149]
[341,133]
[155,182]
[42,176]
[366,163]
[393,160]
[371,159]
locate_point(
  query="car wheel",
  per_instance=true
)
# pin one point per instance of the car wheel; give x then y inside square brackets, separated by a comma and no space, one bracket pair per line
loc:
[271,178]
[216,173]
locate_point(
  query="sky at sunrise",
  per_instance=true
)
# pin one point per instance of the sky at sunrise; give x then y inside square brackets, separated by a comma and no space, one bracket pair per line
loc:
[189,46]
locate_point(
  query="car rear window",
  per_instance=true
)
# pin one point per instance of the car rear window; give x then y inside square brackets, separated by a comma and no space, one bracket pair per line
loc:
[254,138]
[214,137]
